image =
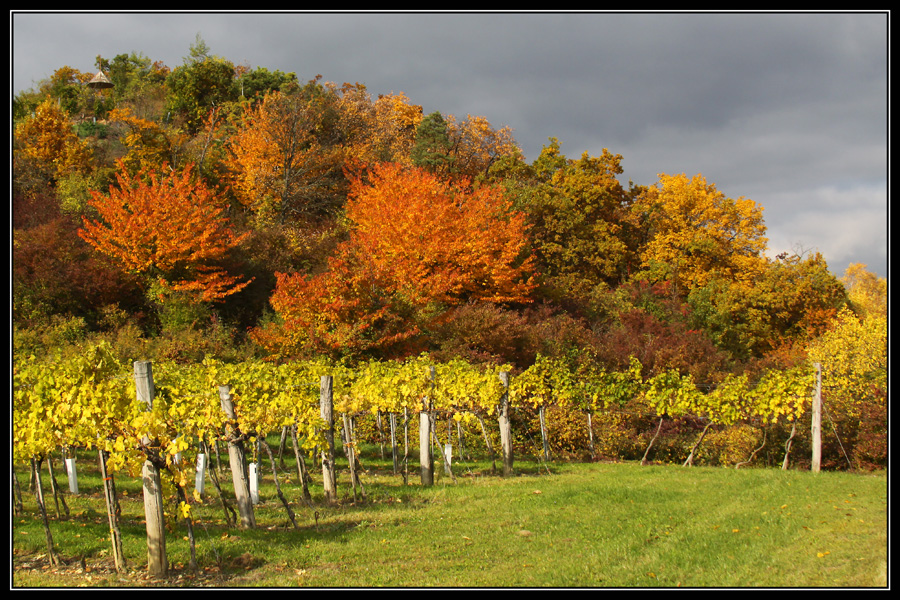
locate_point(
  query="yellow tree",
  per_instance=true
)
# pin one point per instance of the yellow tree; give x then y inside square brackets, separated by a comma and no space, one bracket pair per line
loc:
[867,291]
[853,356]
[46,144]
[477,145]
[395,126]
[169,228]
[150,145]
[695,233]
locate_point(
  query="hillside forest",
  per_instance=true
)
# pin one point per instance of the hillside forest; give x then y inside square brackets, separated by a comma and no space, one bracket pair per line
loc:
[211,209]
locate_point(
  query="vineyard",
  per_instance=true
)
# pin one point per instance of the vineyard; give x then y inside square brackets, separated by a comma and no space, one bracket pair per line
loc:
[165,421]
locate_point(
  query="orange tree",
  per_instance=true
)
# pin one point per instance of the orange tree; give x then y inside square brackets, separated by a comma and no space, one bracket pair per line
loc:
[169,228]
[417,246]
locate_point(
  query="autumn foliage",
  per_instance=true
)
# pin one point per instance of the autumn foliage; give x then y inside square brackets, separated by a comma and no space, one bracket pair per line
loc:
[417,246]
[169,228]
[372,230]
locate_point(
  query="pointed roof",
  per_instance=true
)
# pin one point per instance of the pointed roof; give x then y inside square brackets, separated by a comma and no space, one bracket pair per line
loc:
[100,81]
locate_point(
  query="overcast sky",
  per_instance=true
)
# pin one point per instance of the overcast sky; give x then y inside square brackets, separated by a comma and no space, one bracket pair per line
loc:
[787,109]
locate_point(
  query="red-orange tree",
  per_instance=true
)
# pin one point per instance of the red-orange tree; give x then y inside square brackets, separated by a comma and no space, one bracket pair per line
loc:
[418,246]
[170,228]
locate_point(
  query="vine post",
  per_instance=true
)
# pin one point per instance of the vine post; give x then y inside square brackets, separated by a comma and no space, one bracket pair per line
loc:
[426,459]
[157,563]
[505,428]
[817,422]
[237,460]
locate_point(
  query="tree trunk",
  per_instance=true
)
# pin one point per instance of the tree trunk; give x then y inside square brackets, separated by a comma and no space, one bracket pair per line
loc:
[690,459]
[787,447]
[302,473]
[487,442]
[189,524]
[350,452]
[754,453]
[443,453]
[650,445]
[395,457]
[230,513]
[238,462]
[544,440]
[54,487]
[39,496]
[281,497]
[112,513]
[405,469]
[326,408]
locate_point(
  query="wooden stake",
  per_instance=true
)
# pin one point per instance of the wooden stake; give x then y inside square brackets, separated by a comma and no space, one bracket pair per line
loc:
[505,427]
[817,423]
[157,563]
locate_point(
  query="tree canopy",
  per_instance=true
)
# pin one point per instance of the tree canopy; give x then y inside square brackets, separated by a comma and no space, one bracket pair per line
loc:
[315,217]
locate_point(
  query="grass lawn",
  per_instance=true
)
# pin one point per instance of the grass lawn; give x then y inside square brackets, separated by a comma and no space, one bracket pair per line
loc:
[559,525]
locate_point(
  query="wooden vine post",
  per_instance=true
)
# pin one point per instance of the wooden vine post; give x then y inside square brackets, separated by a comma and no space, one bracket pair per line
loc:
[326,410]
[237,460]
[426,459]
[817,422]
[505,427]
[157,563]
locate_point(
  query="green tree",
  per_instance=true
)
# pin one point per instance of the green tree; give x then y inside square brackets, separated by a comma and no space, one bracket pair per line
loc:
[578,215]
[202,82]
[787,302]
[431,150]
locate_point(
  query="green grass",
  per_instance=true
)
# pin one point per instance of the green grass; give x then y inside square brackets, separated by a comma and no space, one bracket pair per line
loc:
[569,525]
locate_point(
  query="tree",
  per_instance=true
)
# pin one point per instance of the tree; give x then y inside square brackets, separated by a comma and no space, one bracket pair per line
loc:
[417,246]
[576,212]
[202,82]
[260,81]
[150,145]
[464,149]
[46,147]
[867,292]
[476,145]
[695,233]
[56,273]
[138,84]
[787,301]
[853,356]
[66,86]
[346,311]
[168,228]
[395,125]
[440,242]
[280,167]
[432,146]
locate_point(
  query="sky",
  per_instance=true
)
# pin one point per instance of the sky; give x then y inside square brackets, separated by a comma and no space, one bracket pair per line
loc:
[787,109]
